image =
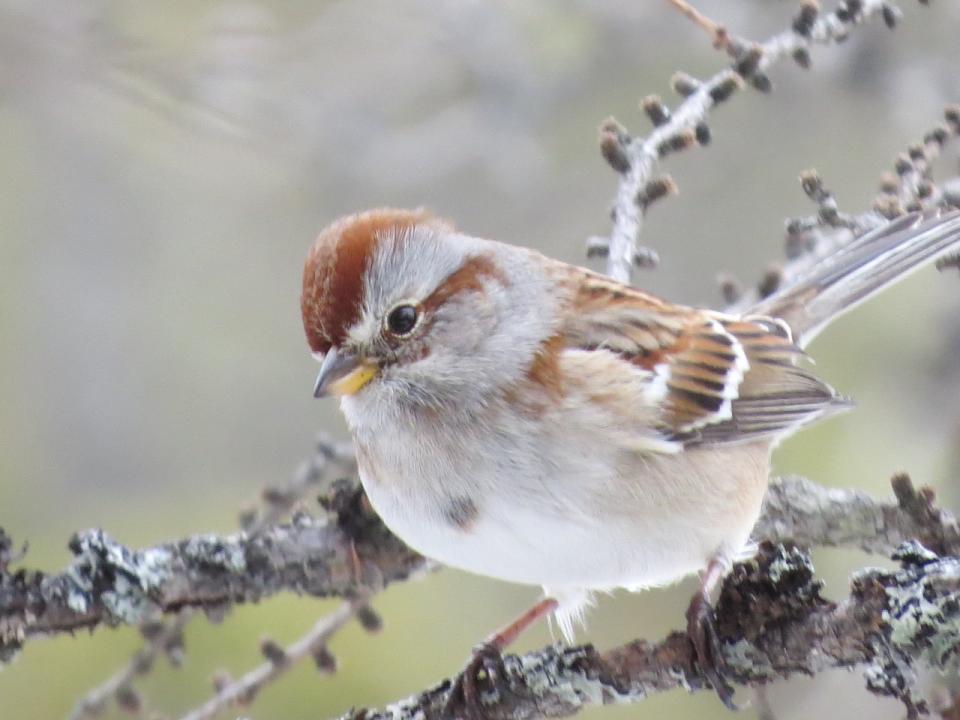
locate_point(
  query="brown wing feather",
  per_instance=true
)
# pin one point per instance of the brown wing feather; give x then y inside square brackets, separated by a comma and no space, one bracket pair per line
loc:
[776,395]
[718,379]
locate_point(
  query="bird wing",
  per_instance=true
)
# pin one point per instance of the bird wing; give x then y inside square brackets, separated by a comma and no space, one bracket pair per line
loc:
[714,378]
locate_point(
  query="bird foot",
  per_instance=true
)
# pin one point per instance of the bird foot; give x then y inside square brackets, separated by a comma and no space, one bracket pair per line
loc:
[702,631]
[484,671]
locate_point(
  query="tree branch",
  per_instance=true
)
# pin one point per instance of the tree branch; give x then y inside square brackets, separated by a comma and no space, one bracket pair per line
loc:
[351,553]
[811,515]
[330,459]
[771,616]
[347,554]
[773,623]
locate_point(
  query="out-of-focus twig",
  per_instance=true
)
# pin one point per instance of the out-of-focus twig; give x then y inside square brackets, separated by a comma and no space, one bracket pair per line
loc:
[636,159]
[159,638]
[911,187]
[328,459]
[233,693]
[717,31]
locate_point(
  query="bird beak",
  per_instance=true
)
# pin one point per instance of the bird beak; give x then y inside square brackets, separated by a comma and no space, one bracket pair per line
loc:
[343,373]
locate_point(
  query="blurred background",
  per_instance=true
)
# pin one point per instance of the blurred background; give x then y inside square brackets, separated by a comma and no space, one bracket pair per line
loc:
[166,165]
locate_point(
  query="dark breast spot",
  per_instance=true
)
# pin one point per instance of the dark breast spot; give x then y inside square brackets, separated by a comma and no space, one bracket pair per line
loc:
[461,512]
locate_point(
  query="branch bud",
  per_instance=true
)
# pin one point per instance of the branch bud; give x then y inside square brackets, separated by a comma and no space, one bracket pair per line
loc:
[770,282]
[128,699]
[598,246]
[655,189]
[273,652]
[803,22]
[655,109]
[889,183]
[849,10]
[938,136]
[702,133]
[812,185]
[952,116]
[950,261]
[889,206]
[902,164]
[726,88]
[916,153]
[645,258]
[684,85]
[761,82]
[325,660]
[801,56]
[221,680]
[730,289]
[748,63]
[369,619]
[613,145]
[676,142]
[891,15]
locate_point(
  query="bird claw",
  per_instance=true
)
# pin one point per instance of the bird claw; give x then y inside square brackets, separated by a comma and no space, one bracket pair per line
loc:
[484,669]
[702,631]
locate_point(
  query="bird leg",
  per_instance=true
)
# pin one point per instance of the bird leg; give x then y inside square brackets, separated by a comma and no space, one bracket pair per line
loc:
[702,630]
[486,664]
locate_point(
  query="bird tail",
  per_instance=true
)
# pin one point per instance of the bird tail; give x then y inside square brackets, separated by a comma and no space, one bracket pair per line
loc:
[841,281]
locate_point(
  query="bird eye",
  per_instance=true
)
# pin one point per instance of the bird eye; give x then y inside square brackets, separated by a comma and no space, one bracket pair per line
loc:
[402,319]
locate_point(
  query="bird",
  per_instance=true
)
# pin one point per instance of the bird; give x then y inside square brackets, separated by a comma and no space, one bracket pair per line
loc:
[529,420]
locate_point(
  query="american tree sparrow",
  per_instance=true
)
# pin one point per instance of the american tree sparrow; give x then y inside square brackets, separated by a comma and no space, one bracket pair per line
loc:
[525,419]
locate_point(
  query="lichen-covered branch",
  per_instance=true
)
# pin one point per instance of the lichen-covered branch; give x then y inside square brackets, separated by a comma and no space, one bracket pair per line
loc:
[636,158]
[773,623]
[351,553]
[330,459]
[346,554]
[811,515]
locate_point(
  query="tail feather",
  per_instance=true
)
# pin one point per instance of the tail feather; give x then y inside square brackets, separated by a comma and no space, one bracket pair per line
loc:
[864,267]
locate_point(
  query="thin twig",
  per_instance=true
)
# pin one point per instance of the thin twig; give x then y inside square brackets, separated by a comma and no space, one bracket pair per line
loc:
[636,159]
[909,188]
[120,685]
[717,31]
[328,459]
[243,690]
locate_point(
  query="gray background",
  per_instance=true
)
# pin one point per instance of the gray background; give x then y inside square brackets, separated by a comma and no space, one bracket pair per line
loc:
[166,165]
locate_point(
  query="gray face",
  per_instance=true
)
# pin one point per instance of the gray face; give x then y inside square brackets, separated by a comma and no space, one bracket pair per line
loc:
[483,309]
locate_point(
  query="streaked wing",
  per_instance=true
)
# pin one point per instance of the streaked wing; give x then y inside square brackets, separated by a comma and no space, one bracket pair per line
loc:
[776,396]
[716,378]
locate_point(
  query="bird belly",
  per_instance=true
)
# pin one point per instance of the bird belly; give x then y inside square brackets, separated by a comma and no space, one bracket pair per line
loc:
[604,531]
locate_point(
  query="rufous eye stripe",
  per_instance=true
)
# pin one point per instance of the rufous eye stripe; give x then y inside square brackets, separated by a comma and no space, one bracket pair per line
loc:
[468,277]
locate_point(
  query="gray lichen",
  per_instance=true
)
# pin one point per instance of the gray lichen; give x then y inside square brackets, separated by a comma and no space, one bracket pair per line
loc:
[122,578]
[216,551]
[920,623]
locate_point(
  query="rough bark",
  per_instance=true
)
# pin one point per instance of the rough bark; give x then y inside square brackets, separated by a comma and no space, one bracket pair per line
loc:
[773,622]
[349,552]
